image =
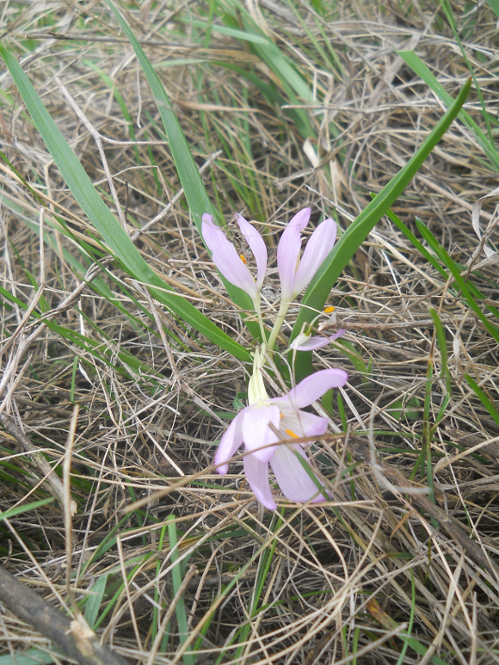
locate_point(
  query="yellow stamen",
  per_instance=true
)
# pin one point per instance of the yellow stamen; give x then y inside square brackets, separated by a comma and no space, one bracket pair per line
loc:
[243,258]
[291,434]
[328,310]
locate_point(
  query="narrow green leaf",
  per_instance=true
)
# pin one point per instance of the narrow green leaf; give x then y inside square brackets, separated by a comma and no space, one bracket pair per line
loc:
[12,512]
[94,600]
[494,5]
[419,246]
[442,345]
[484,399]
[230,32]
[419,68]
[467,289]
[183,627]
[357,232]
[298,116]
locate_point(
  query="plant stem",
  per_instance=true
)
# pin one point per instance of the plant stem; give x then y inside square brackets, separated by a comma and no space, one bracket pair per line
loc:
[260,321]
[277,325]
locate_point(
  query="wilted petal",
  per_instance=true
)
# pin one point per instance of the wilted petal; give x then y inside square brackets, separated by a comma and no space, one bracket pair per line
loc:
[257,433]
[226,258]
[318,247]
[288,253]
[257,474]
[292,477]
[305,343]
[230,442]
[311,388]
[257,246]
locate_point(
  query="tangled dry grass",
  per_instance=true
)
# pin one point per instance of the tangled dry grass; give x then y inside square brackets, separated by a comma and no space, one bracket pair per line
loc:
[139,399]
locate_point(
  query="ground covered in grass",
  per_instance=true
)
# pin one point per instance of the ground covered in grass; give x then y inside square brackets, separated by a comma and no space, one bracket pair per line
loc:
[112,406]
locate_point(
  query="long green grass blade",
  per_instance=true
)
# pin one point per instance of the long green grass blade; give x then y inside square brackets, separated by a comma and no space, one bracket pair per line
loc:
[446,6]
[12,512]
[418,245]
[183,627]
[483,397]
[468,290]
[494,5]
[442,345]
[188,173]
[104,221]
[94,600]
[419,68]
[357,232]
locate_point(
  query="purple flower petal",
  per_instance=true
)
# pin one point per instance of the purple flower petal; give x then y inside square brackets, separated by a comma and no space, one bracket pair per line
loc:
[257,433]
[311,344]
[318,428]
[318,247]
[257,474]
[311,388]
[230,442]
[226,258]
[302,423]
[292,477]
[316,342]
[288,253]
[257,246]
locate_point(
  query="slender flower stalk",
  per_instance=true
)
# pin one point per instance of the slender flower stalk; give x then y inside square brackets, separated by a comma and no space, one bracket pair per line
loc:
[265,422]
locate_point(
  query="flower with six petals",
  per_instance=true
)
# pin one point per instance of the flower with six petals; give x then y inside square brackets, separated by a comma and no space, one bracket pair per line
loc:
[252,426]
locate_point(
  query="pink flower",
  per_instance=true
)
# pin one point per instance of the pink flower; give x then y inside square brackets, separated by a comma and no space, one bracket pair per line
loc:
[297,274]
[251,426]
[228,261]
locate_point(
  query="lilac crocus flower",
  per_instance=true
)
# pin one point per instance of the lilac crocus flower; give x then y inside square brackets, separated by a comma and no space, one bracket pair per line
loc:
[297,274]
[231,265]
[251,426]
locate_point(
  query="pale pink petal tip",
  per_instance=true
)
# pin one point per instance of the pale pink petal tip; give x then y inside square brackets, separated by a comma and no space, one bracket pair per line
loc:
[294,480]
[312,387]
[257,474]
[319,245]
[226,258]
[230,442]
[257,246]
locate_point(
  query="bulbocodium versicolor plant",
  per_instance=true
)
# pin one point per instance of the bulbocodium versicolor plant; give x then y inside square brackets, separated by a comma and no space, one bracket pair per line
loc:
[266,421]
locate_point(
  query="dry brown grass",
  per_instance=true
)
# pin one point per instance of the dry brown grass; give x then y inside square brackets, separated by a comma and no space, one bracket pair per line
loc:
[344,580]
